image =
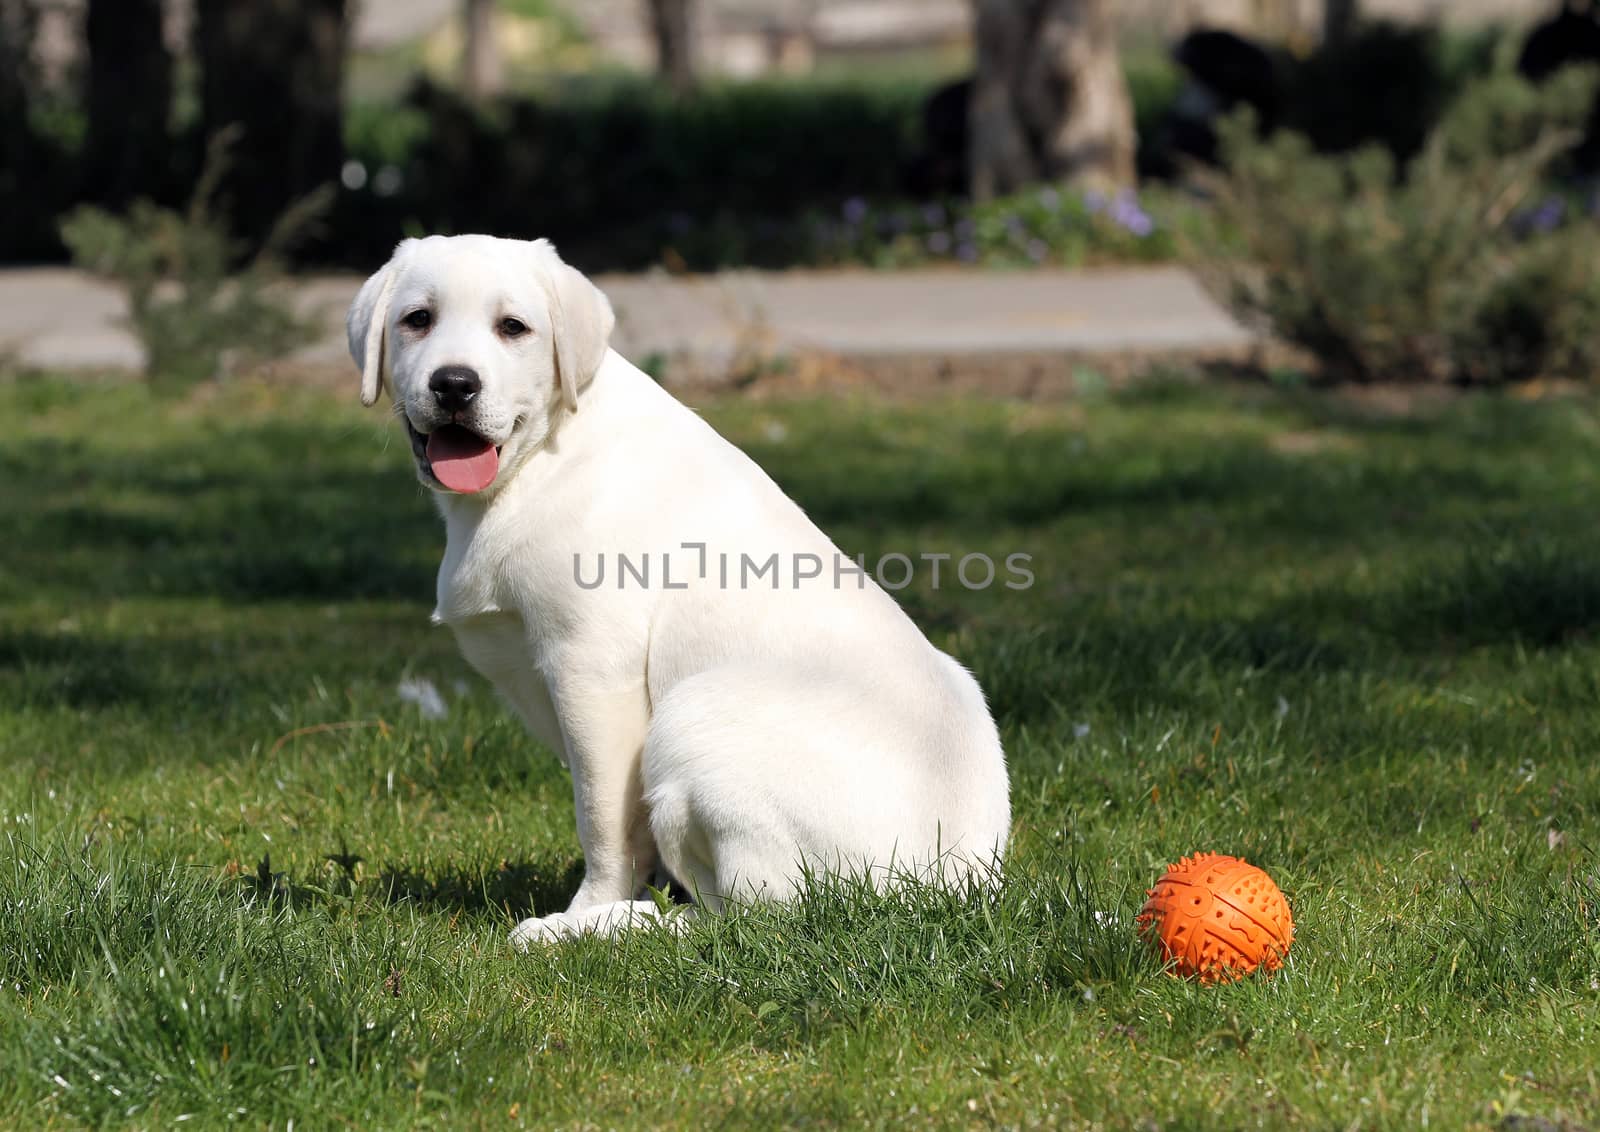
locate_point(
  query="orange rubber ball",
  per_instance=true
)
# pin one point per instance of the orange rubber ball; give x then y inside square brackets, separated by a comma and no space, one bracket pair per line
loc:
[1217,918]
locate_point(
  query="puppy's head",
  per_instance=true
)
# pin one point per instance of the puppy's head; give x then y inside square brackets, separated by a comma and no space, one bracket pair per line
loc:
[484,344]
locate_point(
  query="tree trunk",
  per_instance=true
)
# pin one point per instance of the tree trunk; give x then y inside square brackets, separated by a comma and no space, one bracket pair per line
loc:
[1339,20]
[1049,101]
[275,70]
[672,25]
[481,58]
[19,27]
[29,198]
[126,151]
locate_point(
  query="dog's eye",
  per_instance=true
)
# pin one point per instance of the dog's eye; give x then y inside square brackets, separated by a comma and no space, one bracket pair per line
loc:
[418,319]
[513,327]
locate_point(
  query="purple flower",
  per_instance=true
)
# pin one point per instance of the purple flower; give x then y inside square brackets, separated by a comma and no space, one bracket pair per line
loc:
[1094,200]
[1126,214]
[1037,250]
[934,215]
[1549,215]
[1049,198]
[939,243]
[967,252]
[965,229]
[854,210]
[1544,218]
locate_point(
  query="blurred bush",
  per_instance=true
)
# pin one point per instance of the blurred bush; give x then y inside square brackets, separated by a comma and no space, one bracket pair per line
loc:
[1387,83]
[622,175]
[197,314]
[1044,226]
[1383,83]
[774,174]
[617,173]
[1459,267]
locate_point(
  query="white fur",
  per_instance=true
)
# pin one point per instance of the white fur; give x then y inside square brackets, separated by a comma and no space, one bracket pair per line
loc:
[733,735]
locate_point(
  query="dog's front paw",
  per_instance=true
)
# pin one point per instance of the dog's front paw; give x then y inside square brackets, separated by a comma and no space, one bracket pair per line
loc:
[601,920]
[543,929]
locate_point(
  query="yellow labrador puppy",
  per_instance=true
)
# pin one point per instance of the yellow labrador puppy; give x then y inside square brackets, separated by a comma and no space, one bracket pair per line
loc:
[736,700]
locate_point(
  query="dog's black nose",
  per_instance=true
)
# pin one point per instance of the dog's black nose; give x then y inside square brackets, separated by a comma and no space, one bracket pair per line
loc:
[454,387]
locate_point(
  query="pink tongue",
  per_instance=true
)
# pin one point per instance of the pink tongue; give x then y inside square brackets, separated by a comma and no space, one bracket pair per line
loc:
[462,460]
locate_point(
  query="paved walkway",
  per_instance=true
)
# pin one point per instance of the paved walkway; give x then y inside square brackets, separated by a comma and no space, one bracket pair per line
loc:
[57,318]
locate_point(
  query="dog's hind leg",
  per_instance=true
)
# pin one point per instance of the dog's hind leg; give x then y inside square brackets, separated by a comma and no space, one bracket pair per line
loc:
[755,775]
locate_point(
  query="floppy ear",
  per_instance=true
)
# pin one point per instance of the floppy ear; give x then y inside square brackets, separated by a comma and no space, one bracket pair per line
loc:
[581,319]
[366,325]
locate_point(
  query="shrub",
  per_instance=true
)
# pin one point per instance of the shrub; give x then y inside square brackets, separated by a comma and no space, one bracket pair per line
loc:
[766,173]
[1455,271]
[1047,225]
[616,172]
[194,314]
[1388,83]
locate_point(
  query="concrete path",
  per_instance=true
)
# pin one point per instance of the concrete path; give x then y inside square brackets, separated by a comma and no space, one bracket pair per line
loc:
[56,318]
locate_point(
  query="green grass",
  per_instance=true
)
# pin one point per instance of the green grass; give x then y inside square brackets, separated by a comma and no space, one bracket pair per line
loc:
[1359,651]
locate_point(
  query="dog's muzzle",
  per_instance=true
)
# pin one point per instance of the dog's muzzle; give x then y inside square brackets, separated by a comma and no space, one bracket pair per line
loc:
[455,457]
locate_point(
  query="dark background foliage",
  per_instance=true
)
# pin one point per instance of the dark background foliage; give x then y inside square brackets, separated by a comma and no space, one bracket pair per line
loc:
[621,172]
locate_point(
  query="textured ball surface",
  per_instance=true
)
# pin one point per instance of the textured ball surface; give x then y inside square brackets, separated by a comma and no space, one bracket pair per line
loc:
[1217,918]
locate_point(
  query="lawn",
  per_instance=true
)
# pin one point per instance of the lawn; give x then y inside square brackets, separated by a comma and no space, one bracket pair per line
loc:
[245,882]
